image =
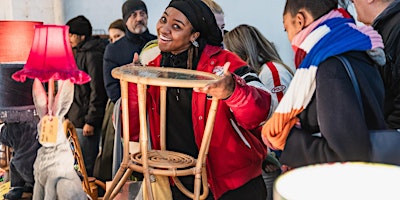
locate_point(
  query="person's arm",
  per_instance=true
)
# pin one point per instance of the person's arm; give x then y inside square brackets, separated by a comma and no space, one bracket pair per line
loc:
[97,97]
[393,118]
[249,96]
[111,84]
[241,89]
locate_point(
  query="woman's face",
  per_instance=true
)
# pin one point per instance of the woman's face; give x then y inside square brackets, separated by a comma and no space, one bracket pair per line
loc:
[174,32]
[290,25]
[115,34]
[220,18]
[364,14]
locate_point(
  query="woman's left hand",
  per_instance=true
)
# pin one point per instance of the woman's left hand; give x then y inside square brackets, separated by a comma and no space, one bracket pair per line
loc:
[221,89]
[136,60]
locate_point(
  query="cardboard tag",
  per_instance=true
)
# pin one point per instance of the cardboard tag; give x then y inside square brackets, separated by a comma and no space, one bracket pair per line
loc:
[4,189]
[48,130]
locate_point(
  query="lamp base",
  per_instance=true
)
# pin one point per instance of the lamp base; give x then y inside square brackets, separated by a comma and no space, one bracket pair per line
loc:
[16,102]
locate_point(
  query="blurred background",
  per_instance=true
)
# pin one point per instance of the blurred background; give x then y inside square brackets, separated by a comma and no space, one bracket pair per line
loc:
[266,15]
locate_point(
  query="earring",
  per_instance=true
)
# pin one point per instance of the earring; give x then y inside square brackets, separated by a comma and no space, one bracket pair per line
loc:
[195,43]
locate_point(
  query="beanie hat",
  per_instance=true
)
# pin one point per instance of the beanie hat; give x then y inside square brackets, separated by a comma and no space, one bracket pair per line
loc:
[202,19]
[80,25]
[131,6]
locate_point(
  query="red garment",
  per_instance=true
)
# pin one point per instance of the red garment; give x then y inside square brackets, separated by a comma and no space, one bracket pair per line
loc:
[230,162]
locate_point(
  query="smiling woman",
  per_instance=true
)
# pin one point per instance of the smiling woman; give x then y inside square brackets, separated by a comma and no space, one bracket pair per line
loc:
[175,32]
[189,38]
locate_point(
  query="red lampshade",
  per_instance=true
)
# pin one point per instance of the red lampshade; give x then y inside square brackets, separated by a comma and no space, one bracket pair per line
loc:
[16,40]
[51,57]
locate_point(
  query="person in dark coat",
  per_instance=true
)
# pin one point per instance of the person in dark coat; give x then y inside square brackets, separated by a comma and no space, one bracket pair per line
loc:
[18,130]
[384,16]
[121,52]
[21,137]
[87,109]
[135,18]
[318,120]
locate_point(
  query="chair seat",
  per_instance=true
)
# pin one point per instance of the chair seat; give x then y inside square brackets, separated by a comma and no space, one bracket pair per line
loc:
[165,159]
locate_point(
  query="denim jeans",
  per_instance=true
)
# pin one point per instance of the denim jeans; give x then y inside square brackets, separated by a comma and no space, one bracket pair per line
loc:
[89,147]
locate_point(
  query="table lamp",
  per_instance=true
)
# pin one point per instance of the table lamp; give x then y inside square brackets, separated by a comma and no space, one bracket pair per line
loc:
[51,57]
[15,43]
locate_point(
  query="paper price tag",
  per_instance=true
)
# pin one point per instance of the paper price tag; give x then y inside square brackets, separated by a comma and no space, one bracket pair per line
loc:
[48,130]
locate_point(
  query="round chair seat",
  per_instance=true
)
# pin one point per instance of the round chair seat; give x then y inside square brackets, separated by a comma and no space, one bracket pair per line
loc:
[165,159]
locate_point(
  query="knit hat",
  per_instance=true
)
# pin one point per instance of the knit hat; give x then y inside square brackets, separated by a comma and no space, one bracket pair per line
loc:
[201,18]
[131,6]
[80,25]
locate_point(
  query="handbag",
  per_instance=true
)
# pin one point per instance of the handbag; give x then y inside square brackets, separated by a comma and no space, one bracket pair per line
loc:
[385,143]
[160,188]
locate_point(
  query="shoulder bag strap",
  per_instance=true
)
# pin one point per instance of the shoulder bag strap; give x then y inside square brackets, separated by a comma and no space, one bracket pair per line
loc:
[353,79]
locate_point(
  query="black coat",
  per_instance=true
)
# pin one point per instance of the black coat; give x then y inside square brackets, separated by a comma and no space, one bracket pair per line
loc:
[121,53]
[334,112]
[89,99]
[22,138]
[387,24]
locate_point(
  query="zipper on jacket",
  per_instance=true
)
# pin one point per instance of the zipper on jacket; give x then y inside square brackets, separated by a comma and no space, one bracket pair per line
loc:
[240,133]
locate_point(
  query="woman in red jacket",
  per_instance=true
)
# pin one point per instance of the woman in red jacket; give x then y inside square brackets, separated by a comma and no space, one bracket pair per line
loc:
[189,38]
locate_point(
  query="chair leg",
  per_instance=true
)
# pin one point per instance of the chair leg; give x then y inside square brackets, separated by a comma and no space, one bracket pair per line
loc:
[121,183]
[204,185]
[118,176]
[197,185]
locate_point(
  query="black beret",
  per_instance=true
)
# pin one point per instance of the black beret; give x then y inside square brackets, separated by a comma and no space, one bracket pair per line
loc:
[202,19]
[80,25]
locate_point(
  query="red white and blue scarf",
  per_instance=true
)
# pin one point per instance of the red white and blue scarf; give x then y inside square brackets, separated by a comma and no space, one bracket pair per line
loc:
[330,35]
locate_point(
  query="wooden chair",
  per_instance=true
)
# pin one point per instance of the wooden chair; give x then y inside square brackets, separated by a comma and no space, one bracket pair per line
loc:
[161,162]
[5,156]
[89,184]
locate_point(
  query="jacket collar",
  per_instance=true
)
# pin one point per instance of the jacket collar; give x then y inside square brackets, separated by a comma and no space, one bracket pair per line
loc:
[146,36]
[210,50]
[391,10]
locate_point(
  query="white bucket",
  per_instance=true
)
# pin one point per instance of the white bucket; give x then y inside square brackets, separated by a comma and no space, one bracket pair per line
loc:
[350,180]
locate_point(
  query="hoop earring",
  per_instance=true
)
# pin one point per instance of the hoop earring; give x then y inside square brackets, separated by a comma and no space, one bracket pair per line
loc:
[195,43]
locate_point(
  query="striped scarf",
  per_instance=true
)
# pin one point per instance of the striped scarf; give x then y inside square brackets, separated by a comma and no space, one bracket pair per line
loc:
[330,35]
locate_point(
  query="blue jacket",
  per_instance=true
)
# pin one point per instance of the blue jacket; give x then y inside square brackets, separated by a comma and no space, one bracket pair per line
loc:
[121,53]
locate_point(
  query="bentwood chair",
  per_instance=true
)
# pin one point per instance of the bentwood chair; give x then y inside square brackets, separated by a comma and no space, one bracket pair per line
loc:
[161,162]
[89,184]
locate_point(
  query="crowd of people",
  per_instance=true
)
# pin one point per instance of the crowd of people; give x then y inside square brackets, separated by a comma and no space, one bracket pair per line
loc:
[271,118]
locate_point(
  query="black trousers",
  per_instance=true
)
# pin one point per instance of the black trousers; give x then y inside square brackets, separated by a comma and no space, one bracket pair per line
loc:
[254,189]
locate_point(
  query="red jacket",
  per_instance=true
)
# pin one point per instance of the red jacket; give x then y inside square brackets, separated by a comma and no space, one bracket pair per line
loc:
[232,161]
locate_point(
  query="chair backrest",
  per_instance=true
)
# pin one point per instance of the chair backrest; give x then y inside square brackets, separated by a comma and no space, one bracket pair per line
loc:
[89,184]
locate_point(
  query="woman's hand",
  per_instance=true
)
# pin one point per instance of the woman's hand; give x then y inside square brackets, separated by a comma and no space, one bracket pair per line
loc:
[221,89]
